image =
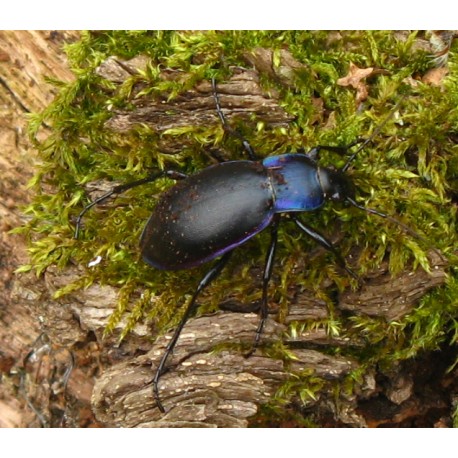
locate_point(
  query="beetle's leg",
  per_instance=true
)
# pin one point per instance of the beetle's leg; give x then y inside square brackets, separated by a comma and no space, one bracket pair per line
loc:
[314,152]
[320,239]
[173,174]
[342,150]
[228,128]
[268,267]
[206,280]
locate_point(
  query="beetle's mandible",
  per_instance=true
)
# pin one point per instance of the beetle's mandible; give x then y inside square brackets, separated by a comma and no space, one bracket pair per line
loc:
[207,215]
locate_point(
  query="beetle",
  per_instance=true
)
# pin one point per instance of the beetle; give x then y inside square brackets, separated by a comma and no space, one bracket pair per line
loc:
[205,216]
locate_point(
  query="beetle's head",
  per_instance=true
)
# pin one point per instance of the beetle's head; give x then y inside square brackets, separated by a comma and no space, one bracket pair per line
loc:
[336,185]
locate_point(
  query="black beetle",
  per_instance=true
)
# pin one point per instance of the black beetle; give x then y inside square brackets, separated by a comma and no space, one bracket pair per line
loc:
[209,214]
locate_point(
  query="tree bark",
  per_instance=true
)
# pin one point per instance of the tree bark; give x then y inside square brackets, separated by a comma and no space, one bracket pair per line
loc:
[202,387]
[26,58]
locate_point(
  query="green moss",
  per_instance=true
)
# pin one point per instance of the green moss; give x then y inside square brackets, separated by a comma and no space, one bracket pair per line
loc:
[410,170]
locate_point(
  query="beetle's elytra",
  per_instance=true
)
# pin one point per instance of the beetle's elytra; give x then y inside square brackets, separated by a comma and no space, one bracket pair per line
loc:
[221,207]
[207,215]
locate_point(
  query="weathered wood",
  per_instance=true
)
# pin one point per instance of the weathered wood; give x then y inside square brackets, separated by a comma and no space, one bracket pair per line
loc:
[225,388]
[222,388]
[241,97]
[26,58]
[203,387]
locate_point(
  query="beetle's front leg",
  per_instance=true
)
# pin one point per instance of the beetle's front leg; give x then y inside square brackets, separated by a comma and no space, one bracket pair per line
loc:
[228,128]
[320,239]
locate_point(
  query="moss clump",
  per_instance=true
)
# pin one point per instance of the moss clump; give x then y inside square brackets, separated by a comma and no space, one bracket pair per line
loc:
[409,170]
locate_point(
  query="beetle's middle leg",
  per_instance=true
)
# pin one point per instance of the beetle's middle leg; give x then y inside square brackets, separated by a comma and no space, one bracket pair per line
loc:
[268,267]
[228,128]
[206,280]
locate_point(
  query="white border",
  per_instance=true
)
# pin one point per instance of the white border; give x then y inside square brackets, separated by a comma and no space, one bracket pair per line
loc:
[227,14]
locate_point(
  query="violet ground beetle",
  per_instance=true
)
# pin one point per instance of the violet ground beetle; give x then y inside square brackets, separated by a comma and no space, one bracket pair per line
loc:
[207,215]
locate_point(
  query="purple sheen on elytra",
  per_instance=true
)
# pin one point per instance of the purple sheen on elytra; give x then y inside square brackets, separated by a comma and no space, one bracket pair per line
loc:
[266,222]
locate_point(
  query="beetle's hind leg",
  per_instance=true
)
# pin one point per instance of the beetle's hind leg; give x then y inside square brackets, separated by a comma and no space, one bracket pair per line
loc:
[116,190]
[228,128]
[206,280]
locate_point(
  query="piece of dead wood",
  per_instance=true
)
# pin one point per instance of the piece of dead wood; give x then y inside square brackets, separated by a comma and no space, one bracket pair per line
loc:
[224,388]
[203,387]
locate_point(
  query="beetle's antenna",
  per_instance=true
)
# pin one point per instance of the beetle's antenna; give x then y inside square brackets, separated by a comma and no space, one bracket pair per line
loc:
[384,215]
[374,134]
[395,221]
